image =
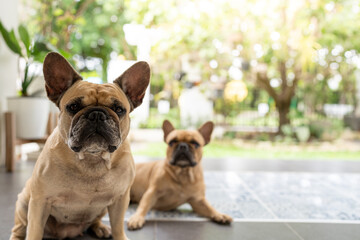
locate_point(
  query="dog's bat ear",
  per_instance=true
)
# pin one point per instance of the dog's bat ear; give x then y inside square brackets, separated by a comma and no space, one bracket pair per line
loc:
[59,76]
[167,128]
[206,130]
[134,82]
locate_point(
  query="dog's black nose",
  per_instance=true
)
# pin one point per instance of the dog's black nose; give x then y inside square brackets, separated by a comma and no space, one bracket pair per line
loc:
[112,148]
[76,149]
[97,115]
[183,146]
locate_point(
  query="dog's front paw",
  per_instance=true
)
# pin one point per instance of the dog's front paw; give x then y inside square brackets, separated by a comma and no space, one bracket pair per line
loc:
[101,230]
[13,237]
[135,222]
[221,218]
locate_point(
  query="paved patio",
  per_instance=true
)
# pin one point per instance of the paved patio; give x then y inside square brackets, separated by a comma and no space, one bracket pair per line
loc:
[280,204]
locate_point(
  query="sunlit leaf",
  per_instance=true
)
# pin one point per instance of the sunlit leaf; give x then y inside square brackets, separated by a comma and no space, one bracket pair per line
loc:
[25,38]
[58,12]
[10,40]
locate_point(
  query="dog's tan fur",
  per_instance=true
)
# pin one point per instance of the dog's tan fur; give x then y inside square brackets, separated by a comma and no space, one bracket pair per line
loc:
[162,186]
[66,194]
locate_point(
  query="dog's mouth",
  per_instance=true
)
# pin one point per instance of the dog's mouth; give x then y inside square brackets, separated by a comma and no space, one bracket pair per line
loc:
[94,136]
[183,159]
[95,144]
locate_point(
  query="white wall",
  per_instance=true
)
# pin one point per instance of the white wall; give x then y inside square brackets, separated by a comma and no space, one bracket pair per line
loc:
[8,66]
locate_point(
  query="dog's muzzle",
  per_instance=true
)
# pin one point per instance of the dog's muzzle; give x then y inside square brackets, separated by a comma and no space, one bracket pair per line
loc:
[183,156]
[94,131]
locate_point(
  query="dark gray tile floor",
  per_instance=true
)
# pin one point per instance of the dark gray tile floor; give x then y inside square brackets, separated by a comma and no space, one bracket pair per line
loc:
[328,231]
[212,231]
[209,231]
[11,184]
[237,231]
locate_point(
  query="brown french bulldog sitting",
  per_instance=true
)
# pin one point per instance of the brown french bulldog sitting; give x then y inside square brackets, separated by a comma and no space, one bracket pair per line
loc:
[165,185]
[86,168]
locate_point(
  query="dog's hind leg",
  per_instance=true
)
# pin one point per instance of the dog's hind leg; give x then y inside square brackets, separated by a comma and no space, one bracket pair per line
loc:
[19,229]
[101,230]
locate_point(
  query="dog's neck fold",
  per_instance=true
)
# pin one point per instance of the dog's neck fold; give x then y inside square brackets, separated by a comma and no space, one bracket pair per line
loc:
[105,156]
[183,175]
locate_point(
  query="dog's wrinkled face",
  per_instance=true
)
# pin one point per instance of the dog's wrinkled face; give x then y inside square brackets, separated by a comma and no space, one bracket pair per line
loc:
[94,118]
[185,146]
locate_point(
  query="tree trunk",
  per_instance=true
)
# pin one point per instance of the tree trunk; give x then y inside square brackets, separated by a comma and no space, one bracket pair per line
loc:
[283,110]
[284,95]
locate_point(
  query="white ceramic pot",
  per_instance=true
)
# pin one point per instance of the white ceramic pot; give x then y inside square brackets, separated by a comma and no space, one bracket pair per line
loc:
[32,114]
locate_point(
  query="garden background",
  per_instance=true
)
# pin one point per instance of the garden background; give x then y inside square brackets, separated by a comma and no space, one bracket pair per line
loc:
[280,79]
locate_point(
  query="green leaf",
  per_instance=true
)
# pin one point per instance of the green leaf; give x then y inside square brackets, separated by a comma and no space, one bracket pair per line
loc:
[25,76]
[25,37]
[15,41]
[58,12]
[10,40]
[66,55]
[26,84]
[39,47]
[26,81]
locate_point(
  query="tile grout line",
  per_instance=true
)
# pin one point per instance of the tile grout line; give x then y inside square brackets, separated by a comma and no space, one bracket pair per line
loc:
[155,230]
[293,230]
[257,198]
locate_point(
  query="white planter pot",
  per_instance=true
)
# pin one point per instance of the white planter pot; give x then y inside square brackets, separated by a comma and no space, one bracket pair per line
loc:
[31,115]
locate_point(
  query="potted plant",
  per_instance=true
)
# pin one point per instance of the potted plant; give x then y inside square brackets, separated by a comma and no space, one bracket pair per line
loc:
[31,111]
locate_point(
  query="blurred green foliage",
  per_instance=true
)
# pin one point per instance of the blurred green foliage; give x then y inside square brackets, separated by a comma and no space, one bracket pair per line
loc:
[223,149]
[31,49]
[84,28]
[325,129]
[156,119]
[284,40]
[294,55]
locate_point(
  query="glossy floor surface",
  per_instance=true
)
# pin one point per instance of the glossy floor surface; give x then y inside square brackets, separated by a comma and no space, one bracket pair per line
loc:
[266,203]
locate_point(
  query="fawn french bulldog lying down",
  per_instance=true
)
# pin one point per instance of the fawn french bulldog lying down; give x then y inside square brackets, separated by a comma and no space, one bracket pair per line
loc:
[165,185]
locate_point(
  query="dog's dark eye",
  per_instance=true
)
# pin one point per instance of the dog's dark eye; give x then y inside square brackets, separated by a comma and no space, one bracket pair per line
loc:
[195,143]
[73,108]
[118,110]
[172,142]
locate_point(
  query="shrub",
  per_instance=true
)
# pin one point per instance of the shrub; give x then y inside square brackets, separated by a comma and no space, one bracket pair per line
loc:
[326,129]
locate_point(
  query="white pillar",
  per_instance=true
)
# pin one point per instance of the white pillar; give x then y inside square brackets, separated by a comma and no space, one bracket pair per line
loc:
[141,37]
[8,66]
[143,111]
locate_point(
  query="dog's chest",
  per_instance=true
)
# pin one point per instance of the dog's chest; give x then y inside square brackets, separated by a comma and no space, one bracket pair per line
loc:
[77,202]
[91,197]
[173,197]
[80,206]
